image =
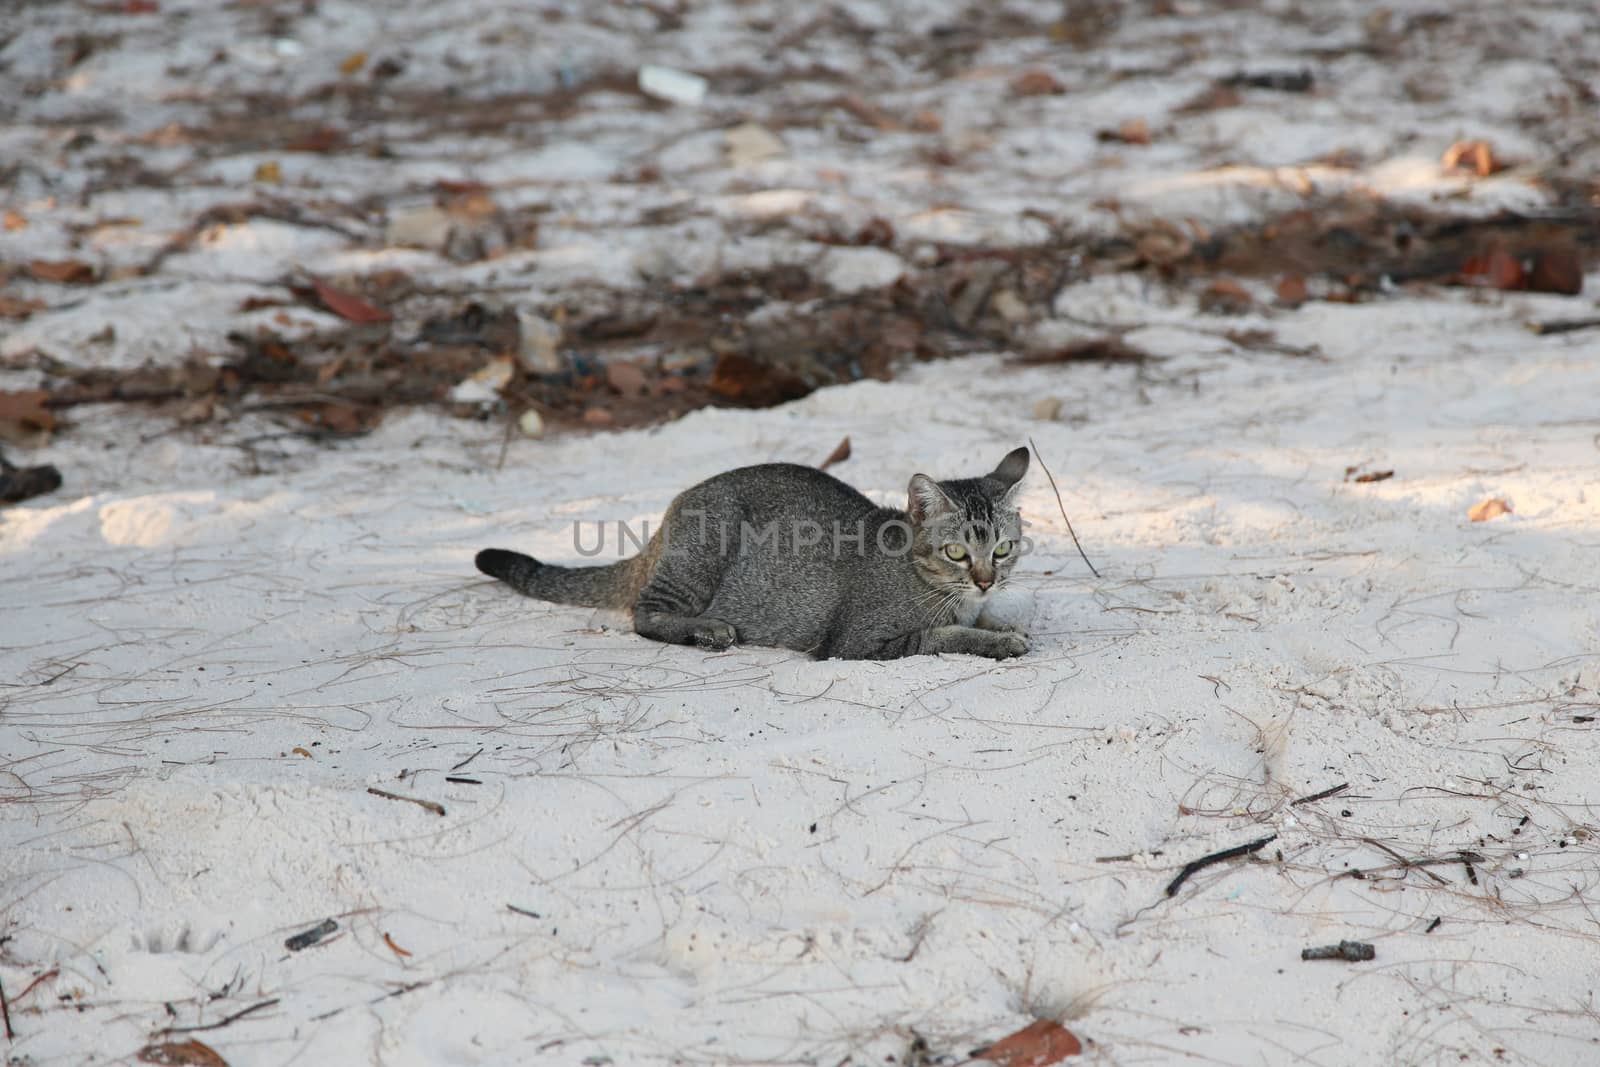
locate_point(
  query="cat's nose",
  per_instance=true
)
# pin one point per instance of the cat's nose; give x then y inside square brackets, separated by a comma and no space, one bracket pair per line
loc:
[983,583]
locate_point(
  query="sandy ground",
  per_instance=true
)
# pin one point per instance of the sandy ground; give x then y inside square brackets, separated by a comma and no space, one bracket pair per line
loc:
[217,641]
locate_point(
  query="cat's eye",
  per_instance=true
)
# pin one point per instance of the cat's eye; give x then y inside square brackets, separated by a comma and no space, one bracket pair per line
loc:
[955,552]
[1002,550]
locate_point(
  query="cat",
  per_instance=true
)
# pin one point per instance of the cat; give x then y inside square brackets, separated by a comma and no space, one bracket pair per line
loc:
[789,556]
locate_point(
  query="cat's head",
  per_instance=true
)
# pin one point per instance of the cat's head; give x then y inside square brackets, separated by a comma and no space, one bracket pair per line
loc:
[966,533]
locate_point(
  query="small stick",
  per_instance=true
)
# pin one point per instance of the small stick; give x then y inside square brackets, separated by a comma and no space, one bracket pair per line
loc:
[838,455]
[462,781]
[220,1023]
[1217,857]
[436,808]
[1063,508]
[5,1013]
[1324,795]
[1405,863]
[1349,951]
[525,911]
[307,938]
[1549,326]
[468,760]
[54,972]
[1437,919]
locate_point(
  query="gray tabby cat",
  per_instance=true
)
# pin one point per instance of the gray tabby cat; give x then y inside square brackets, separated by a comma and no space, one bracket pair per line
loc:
[784,555]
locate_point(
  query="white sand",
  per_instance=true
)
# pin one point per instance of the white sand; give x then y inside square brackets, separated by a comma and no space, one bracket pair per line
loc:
[753,857]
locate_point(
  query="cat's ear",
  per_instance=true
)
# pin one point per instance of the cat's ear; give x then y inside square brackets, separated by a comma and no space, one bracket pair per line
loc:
[1012,468]
[926,499]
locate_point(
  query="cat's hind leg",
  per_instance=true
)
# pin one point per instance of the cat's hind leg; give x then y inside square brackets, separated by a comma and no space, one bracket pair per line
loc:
[671,606]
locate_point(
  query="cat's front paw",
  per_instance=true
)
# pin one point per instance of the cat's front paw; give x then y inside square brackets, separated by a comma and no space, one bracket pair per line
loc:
[1010,645]
[715,635]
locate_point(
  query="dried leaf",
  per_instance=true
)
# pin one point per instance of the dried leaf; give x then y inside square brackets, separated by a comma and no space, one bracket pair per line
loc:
[190,1053]
[15,221]
[353,64]
[1107,349]
[12,307]
[838,455]
[63,271]
[1213,99]
[927,121]
[1496,268]
[1225,297]
[1039,1044]
[626,378]
[1133,131]
[744,381]
[341,419]
[867,112]
[1373,476]
[1291,291]
[1475,157]
[27,409]
[324,139]
[1492,508]
[269,172]
[347,306]
[1556,270]
[1036,83]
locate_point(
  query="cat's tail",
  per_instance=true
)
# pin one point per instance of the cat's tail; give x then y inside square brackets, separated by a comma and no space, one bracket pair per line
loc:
[615,585]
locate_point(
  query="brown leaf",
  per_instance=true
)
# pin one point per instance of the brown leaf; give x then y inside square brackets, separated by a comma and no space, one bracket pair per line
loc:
[12,307]
[1213,99]
[27,409]
[1133,131]
[1039,1044]
[269,172]
[1496,268]
[1291,290]
[1225,297]
[1373,476]
[927,121]
[1476,157]
[64,271]
[838,455]
[626,378]
[15,221]
[324,139]
[744,381]
[1556,270]
[1036,83]
[598,417]
[347,305]
[1107,349]
[353,63]
[867,112]
[342,418]
[190,1053]
[455,188]
[1492,508]
[876,231]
